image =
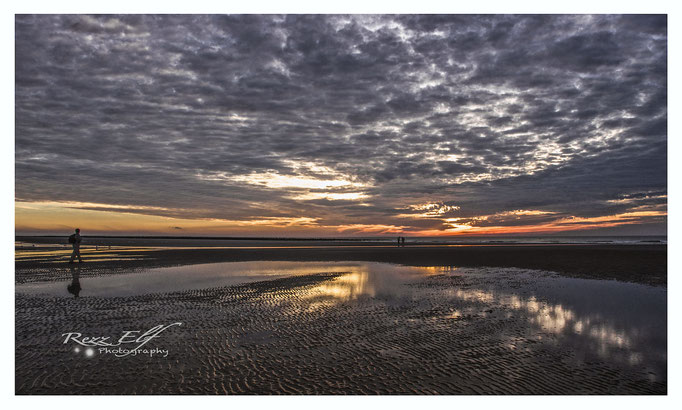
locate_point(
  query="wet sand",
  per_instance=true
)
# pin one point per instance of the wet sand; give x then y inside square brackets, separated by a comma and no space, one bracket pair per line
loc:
[494,330]
[631,263]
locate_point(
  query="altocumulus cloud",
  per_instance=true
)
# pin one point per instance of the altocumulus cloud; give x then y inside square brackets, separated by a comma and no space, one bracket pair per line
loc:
[423,124]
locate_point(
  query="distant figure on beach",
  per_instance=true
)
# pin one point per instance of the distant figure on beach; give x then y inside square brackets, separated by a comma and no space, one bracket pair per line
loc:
[75,287]
[75,240]
[398,241]
[402,240]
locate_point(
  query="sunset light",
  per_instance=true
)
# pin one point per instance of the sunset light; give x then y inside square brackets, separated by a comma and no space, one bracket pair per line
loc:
[341,204]
[207,134]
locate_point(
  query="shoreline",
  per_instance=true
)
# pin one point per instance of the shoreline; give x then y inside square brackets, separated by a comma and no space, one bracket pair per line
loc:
[196,241]
[646,264]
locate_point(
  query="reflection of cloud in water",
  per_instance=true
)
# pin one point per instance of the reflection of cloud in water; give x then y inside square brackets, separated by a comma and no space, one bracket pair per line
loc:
[558,320]
[571,324]
[579,315]
[373,280]
[377,281]
[345,287]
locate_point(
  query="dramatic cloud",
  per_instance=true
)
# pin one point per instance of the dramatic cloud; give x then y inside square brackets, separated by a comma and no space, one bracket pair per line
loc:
[344,124]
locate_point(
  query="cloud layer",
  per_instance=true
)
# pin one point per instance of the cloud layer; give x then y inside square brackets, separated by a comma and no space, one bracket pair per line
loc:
[353,124]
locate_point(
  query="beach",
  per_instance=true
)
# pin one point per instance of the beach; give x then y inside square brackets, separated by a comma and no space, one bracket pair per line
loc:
[642,263]
[355,318]
[341,204]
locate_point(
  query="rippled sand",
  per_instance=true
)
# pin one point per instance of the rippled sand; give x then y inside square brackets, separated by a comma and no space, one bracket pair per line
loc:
[318,334]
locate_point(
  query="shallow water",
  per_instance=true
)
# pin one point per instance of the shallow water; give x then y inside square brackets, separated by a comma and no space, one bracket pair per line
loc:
[624,324]
[361,278]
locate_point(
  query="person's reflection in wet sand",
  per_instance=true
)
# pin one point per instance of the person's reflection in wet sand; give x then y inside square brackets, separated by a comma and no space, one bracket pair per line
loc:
[75,287]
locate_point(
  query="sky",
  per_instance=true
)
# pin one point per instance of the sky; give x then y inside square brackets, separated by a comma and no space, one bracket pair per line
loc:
[341,125]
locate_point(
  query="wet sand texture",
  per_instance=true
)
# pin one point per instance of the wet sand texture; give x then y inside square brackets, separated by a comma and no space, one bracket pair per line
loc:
[292,336]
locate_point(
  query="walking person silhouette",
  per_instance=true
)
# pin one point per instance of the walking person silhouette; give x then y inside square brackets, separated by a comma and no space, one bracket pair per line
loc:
[75,240]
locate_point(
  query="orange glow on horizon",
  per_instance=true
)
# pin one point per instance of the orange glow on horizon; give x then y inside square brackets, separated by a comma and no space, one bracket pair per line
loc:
[48,216]
[559,225]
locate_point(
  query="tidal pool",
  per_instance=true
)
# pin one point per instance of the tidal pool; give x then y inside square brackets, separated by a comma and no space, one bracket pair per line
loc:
[622,323]
[360,278]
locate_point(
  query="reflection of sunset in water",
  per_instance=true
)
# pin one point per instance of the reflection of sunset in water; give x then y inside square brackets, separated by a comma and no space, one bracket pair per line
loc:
[438,270]
[346,287]
[343,288]
[556,319]
[578,315]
